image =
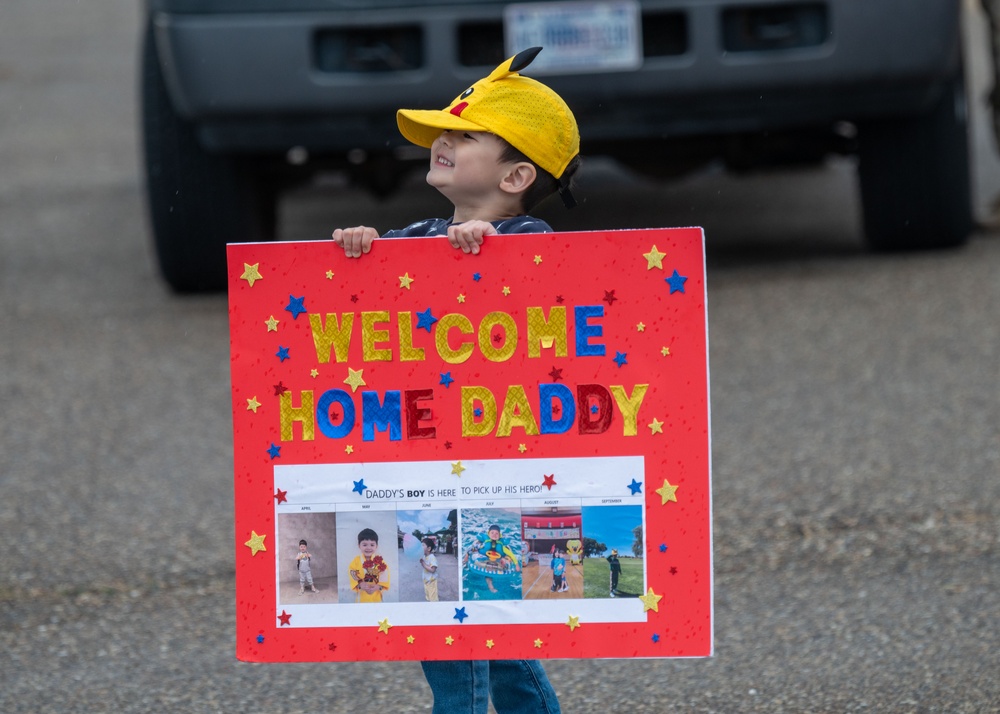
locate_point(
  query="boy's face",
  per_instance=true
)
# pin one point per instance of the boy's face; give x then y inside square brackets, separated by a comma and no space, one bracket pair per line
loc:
[368,547]
[427,549]
[302,547]
[494,534]
[465,166]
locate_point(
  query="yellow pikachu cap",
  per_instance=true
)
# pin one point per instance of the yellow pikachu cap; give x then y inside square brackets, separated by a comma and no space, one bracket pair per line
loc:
[524,112]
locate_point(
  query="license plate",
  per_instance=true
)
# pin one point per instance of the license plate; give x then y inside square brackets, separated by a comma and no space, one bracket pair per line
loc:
[577,37]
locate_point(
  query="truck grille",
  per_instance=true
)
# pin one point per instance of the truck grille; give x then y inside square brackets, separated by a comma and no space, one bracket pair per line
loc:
[359,50]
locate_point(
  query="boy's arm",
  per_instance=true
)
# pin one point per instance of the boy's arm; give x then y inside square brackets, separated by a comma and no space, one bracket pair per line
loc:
[355,241]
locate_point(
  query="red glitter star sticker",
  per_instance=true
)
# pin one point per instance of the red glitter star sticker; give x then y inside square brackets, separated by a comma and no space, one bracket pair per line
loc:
[279,389]
[280,495]
[559,299]
[286,618]
[549,480]
[447,444]
[354,298]
[556,374]
[609,297]
[333,646]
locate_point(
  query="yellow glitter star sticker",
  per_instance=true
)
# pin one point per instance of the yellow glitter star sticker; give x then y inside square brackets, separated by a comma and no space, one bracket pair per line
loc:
[354,379]
[650,601]
[252,404]
[654,259]
[410,639]
[348,449]
[314,373]
[449,640]
[329,275]
[405,280]
[251,273]
[461,297]
[667,492]
[641,327]
[272,324]
[457,468]
[573,622]
[538,259]
[383,625]
[506,290]
[538,644]
[256,543]
[665,351]
[489,644]
[522,448]
[655,427]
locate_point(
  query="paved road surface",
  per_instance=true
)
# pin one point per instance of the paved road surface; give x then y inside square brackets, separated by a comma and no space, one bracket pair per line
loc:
[856,420]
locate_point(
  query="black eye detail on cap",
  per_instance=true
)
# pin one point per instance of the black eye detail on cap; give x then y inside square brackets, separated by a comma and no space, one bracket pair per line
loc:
[467,92]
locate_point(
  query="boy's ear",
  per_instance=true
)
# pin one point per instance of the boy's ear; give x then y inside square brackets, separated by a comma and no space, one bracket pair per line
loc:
[519,178]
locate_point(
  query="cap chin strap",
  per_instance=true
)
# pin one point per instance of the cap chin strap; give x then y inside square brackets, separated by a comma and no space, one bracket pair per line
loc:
[565,194]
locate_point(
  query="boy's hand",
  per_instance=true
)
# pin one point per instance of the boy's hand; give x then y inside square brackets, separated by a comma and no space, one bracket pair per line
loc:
[469,235]
[355,241]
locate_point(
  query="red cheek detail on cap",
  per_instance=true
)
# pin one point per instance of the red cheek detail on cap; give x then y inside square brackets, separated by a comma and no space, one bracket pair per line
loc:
[459,108]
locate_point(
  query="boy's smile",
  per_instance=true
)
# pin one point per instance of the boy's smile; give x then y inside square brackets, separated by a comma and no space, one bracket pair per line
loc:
[465,166]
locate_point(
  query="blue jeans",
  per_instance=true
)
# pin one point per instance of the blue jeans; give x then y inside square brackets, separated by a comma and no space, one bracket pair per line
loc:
[517,686]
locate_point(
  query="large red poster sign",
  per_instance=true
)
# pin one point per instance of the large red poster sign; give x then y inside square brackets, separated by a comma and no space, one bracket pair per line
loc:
[445,456]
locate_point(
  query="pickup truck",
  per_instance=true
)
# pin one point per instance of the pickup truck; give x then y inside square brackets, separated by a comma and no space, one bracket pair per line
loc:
[242,99]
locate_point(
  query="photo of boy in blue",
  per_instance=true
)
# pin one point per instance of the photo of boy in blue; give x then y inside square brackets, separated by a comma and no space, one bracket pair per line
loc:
[558,570]
[501,147]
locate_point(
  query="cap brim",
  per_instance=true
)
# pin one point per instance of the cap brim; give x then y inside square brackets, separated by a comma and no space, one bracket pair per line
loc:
[423,126]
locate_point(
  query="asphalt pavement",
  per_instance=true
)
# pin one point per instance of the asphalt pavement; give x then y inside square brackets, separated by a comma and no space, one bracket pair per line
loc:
[855,418]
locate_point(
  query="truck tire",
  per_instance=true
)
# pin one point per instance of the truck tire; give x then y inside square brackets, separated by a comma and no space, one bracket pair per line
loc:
[914,176]
[198,201]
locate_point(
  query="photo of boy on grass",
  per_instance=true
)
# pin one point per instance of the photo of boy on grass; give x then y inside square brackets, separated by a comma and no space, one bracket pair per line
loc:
[613,539]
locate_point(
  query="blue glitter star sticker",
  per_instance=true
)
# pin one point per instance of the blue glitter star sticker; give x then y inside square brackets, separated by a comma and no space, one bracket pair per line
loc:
[663,547]
[594,409]
[274,452]
[676,282]
[477,411]
[296,306]
[620,358]
[460,614]
[635,487]
[656,637]
[359,487]
[476,277]
[260,639]
[446,379]
[425,319]
[282,353]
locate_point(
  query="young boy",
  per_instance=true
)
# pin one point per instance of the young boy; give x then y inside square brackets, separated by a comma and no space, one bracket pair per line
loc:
[501,147]
[504,145]
[616,570]
[498,553]
[303,563]
[558,570]
[369,572]
[430,565]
